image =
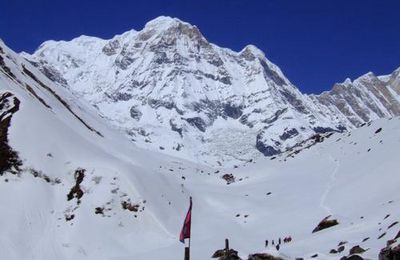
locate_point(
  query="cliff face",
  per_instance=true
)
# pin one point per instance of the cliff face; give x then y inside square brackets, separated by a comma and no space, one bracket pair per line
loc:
[367,98]
[171,90]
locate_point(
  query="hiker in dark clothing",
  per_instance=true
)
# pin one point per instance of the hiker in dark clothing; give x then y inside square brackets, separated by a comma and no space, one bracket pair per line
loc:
[277,247]
[279,241]
[273,242]
[266,243]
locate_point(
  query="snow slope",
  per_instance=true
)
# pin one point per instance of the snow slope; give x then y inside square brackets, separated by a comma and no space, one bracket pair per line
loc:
[171,90]
[351,176]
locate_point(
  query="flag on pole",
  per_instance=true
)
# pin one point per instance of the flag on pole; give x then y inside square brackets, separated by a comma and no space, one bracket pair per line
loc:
[185,232]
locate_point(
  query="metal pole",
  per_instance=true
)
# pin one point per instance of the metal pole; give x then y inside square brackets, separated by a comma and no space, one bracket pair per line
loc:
[187,253]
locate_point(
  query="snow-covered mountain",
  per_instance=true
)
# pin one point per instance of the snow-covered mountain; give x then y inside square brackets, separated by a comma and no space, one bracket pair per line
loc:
[171,90]
[72,187]
[367,98]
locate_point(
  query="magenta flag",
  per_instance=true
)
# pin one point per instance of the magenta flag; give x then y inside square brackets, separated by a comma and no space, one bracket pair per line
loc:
[185,232]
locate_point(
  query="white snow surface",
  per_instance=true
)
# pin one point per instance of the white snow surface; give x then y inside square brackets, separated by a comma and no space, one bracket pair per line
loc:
[339,177]
[172,91]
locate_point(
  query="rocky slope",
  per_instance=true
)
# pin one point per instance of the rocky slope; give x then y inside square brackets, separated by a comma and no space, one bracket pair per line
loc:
[367,98]
[170,89]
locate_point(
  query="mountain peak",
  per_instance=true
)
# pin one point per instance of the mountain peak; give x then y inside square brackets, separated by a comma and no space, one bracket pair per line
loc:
[252,51]
[169,28]
[164,21]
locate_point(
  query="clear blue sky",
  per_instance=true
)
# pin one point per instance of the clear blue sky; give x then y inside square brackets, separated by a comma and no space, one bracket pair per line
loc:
[315,42]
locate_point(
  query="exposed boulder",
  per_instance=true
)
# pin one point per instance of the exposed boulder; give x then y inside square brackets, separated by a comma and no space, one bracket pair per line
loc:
[264,256]
[352,257]
[357,250]
[135,113]
[325,223]
[229,178]
[390,253]
[223,254]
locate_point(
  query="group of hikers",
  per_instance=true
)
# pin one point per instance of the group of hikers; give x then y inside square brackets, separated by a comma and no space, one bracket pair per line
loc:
[279,241]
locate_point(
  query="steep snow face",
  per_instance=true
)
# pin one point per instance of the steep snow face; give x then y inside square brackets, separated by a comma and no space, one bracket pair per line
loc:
[171,90]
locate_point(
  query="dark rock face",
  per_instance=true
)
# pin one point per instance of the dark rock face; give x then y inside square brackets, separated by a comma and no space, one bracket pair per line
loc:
[175,128]
[323,130]
[120,96]
[154,103]
[111,48]
[294,101]
[9,160]
[6,69]
[271,74]
[123,62]
[232,111]
[275,117]
[197,122]
[135,113]
[289,134]
[50,72]
[265,149]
